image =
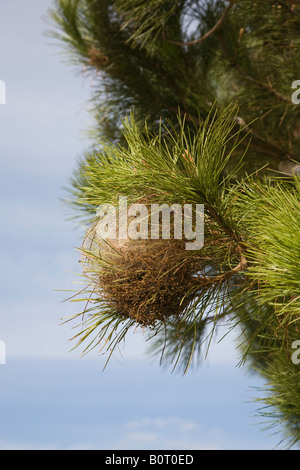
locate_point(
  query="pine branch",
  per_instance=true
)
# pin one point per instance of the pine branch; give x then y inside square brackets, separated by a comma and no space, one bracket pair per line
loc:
[248,270]
[206,35]
[267,86]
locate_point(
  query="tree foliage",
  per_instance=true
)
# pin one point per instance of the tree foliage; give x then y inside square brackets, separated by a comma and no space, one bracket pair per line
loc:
[192,105]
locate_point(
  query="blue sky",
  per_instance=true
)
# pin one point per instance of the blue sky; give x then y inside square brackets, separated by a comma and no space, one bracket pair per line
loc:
[51,398]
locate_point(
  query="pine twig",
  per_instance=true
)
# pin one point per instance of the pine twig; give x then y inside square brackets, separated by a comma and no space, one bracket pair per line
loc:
[206,35]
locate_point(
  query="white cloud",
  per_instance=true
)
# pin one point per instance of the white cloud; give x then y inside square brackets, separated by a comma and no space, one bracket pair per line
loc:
[142,438]
[171,432]
[174,421]
[23,445]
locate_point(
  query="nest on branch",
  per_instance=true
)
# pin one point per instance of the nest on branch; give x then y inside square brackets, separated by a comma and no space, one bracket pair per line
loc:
[148,280]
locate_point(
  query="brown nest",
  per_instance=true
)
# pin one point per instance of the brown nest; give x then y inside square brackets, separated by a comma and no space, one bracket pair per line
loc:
[96,58]
[146,280]
[150,280]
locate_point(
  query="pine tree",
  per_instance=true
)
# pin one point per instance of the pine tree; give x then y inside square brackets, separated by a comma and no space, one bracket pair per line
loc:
[195,102]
